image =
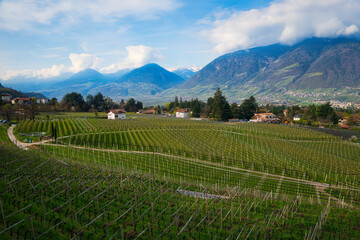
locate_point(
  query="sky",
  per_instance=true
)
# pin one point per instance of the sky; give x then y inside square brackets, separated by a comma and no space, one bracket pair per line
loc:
[47,38]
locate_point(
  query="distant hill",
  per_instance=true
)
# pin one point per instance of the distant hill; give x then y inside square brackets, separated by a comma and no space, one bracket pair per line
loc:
[117,75]
[153,74]
[81,82]
[35,95]
[315,69]
[185,73]
[147,80]
[12,92]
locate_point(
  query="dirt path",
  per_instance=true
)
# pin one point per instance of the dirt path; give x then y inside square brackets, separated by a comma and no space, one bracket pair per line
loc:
[22,145]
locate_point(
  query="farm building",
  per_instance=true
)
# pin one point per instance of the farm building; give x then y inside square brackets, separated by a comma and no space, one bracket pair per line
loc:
[19,100]
[149,111]
[297,117]
[182,113]
[117,114]
[42,100]
[265,117]
[6,97]
[343,121]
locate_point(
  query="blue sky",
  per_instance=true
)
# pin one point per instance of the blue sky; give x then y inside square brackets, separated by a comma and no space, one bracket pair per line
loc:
[45,38]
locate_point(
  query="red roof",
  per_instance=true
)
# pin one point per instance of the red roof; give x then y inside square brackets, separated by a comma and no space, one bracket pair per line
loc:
[183,110]
[25,99]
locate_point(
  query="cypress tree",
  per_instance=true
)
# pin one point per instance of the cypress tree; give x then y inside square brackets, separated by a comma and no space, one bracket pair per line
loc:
[221,108]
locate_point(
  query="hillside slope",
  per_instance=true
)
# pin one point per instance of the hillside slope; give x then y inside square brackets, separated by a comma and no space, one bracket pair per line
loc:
[315,69]
[147,80]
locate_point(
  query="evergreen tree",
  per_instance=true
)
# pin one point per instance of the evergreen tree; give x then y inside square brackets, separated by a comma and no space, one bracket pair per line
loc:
[221,108]
[122,103]
[196,108]
[235,110]
[176,102]
[248,108]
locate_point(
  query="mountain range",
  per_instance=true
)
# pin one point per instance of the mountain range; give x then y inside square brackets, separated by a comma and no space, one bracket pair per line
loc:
[313,70]
[316,69]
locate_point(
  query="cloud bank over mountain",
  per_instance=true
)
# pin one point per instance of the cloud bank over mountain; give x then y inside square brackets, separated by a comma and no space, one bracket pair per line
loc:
[137,56]
[285,21]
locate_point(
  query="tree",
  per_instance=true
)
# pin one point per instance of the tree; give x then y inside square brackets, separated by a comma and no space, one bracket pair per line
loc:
[7,111]
[52,102]
[235,110]
[90,101]
[221,108]
[311,113]
[176,102]
[110,104]
[248,108]
[326,113]
[75,100]
[122,103]
[99,102]
[210,102]
[195,108]
[133,106]
[32,110]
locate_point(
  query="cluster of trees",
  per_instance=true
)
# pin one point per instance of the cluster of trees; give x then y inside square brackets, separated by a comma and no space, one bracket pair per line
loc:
[216,107]
[323,113]
[19,112]
[131,105]
[97,103]
[194,104]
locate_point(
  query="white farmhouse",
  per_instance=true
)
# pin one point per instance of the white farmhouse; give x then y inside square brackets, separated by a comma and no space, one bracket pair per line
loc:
[117,114]
[182,113]
[265,117]
[297,117]
[42,100]
[6,97]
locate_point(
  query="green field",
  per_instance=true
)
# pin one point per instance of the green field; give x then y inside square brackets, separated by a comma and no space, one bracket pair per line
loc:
[165,178]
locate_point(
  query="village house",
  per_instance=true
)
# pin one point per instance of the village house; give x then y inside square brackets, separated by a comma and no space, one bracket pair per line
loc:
[265,117]
[117,114]
[22,101]
[42,100]
[297,117]
[343,121]
[183,113]
[6,97]
[149,111]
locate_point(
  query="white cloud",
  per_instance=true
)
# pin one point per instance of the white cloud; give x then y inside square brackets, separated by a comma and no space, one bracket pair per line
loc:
[21,14]
[79,62]
[285,21]
[138,56]
[83,61]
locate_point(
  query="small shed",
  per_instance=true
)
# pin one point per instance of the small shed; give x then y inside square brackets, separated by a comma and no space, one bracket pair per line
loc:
[117,114]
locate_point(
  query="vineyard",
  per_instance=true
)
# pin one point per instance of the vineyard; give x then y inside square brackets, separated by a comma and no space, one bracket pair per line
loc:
[166,178]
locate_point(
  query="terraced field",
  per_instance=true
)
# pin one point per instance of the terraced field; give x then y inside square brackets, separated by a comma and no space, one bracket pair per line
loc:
[166,178]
